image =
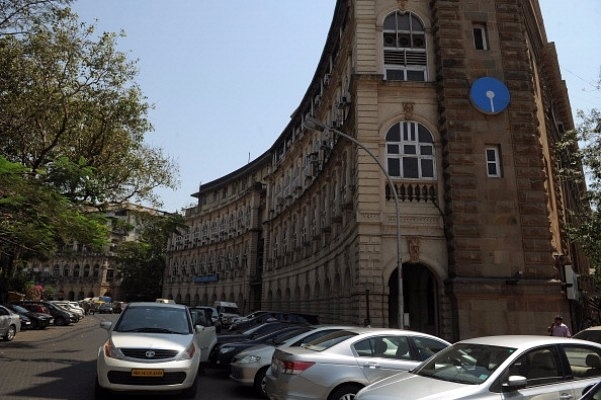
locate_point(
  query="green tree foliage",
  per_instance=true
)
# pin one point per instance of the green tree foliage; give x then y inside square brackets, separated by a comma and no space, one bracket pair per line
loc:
[17,16]
[72,128]
[36,220]
[142,263]
[70,105]
[580,153]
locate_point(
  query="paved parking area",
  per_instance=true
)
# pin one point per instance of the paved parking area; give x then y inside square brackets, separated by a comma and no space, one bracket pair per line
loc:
[53,332]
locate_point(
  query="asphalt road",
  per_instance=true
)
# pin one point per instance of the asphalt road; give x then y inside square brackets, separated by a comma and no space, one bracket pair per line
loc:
[60,363]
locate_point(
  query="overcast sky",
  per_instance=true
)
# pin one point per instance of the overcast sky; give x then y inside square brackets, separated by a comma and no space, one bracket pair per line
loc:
[225,76]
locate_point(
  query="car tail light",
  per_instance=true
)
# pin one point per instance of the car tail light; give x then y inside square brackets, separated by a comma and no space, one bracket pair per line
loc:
[293,367]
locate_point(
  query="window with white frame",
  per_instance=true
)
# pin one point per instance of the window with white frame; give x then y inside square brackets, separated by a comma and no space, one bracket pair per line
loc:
[493,161]
[404,43]
[480,36]
[410,151]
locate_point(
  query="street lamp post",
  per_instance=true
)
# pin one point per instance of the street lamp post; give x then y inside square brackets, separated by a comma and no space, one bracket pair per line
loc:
[316,125]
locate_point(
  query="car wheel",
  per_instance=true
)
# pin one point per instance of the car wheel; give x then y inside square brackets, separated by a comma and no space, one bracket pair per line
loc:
[259,383]
[345,392]
[34,324]
[100,393]
[60,321]
[10,333]
[190,393]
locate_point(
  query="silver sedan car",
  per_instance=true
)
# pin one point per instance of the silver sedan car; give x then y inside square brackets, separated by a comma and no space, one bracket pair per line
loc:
[338,365]
[498,367]
[10,324]
[248,367]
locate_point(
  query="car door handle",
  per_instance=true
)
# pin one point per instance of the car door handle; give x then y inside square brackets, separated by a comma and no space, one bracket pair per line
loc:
[565,396]
[372,365]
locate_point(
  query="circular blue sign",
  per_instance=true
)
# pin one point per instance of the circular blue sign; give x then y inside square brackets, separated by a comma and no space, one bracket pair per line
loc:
[489,95]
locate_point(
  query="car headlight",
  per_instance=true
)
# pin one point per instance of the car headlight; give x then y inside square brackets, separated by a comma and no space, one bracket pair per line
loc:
[111,351]
[249,359]
[188,353]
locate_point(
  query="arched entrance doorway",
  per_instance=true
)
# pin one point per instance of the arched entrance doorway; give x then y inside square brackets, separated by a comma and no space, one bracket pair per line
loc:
[420,295]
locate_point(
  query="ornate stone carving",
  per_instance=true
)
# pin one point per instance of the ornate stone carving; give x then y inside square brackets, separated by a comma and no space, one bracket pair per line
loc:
[402,4]
[408,110]
[413,244]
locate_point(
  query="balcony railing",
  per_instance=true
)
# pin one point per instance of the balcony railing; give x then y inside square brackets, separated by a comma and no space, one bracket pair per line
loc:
[413,192]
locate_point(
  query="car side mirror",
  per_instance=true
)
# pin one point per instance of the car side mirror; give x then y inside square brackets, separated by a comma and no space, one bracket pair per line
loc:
[106,325]
[514,382]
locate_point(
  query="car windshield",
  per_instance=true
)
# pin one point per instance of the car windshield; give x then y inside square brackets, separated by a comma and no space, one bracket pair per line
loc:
[153,319]
[329,340]
[20,309]
[465,363]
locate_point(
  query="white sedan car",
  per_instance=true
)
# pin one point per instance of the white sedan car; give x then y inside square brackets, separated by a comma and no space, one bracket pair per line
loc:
[338,365]
[152,348]
[496,368]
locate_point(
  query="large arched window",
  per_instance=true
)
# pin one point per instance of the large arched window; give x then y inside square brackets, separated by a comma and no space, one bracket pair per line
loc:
[410,151]
[404,47]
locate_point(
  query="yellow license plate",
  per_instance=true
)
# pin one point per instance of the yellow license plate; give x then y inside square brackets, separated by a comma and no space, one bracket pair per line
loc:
[158,373]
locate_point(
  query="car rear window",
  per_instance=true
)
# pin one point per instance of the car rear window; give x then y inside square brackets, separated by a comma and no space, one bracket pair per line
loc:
[329,340]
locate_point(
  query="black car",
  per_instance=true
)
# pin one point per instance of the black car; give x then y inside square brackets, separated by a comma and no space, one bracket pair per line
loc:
[223,353]
[25,322]
[270,316]
[106,308]
[251,333]
[37,320]
[60,315]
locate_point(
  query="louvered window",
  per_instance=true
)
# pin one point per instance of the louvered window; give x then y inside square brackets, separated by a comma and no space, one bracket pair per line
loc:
[404,47]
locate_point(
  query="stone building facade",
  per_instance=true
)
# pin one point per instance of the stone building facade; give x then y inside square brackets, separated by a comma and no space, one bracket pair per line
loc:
[76,272]
[437,163]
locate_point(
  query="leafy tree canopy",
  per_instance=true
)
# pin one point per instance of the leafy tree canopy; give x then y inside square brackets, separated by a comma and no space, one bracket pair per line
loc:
[72,128]
[70,106]
[17,16]
[580,152]
[143,262]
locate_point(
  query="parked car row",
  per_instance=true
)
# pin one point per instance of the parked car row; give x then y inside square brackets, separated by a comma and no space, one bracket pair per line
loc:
[22,315]
[31,319]
[343,363]
[61,314]
[283,360]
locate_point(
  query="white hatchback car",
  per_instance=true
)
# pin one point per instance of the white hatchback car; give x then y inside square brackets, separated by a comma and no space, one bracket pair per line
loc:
[498,367]
[152,348]
[338,365]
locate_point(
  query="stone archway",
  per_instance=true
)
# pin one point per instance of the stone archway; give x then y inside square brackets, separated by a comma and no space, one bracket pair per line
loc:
[420,298]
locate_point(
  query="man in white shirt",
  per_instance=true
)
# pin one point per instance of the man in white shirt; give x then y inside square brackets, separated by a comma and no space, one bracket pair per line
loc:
[558,328]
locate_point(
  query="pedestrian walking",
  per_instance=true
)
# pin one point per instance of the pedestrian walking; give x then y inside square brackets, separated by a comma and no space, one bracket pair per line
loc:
[558,328]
